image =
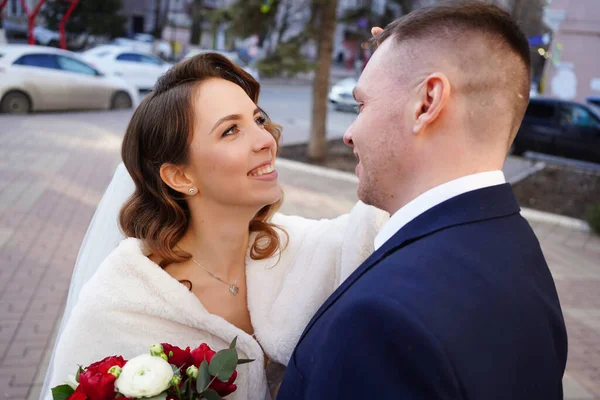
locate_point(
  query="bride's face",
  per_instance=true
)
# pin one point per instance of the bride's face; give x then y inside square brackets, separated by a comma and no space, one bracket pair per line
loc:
[232,155]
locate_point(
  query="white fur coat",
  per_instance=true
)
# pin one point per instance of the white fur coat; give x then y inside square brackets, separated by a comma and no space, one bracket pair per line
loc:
[130,303]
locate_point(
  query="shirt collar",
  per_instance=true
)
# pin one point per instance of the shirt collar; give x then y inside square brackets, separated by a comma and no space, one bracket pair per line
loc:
[435,196]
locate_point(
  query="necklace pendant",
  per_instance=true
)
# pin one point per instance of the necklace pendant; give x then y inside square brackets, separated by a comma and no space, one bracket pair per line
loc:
[233,289]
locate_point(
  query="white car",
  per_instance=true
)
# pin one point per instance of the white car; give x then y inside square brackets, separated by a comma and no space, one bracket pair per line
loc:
[229,54]
[38,78]
[139,68]
[341,95]
[146,43]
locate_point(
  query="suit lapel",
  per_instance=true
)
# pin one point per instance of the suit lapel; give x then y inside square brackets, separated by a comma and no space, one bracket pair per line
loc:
[488,203]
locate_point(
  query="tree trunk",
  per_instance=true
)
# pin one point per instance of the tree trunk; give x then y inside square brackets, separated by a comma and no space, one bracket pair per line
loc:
[157,33]
[196,28]
[317,146]
[516,10]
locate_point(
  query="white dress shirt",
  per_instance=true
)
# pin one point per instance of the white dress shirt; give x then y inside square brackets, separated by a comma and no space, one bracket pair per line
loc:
[436,196]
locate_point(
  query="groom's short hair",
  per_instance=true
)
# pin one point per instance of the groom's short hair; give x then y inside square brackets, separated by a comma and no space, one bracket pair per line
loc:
[451,26]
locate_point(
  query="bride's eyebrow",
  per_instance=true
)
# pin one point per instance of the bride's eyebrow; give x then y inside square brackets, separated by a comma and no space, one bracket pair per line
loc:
[233,117]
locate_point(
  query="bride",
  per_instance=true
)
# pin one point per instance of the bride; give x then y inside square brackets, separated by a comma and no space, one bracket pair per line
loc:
[207,257]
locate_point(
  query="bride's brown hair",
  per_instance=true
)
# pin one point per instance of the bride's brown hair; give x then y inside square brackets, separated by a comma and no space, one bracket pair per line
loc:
[160,132]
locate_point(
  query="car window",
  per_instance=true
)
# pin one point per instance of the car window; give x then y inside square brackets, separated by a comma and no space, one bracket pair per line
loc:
[150,60]
[38,60]
[72,65]
[541,111]
[129,57]
[577,116]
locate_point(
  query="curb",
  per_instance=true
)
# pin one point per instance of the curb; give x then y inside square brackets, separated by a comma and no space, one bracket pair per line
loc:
[555,219]
[527,213]
[317,170]
[538,166]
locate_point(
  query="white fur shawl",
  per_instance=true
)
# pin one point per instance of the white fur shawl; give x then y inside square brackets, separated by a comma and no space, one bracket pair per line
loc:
[131,303]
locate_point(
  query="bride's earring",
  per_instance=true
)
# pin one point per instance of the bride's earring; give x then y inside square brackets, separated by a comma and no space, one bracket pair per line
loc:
[192,191]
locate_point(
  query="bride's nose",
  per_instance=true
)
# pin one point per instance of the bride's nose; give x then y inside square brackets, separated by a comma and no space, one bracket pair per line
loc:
[263,140]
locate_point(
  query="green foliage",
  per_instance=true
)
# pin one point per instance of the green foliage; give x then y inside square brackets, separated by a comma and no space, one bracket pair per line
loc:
[93,17]
[253,17]
[593,218]
[286,60]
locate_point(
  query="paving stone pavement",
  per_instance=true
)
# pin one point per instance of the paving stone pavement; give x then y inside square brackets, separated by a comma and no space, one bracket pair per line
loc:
[53,171]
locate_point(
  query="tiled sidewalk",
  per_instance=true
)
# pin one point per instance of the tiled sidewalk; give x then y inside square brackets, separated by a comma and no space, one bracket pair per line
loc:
[53,171]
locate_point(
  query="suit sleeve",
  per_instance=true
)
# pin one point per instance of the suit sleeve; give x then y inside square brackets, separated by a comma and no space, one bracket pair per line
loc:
[377,349]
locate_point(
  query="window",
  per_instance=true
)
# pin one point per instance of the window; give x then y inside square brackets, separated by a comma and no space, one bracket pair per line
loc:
[132,57]
[150,60]
[540,110]
[72,65]
[38,60]
[578,116]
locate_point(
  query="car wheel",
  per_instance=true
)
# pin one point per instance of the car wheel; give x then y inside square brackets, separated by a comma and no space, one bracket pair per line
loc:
[15,103]
[120,101]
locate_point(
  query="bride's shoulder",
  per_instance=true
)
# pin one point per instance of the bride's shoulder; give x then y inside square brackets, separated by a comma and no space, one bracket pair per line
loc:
[129,253]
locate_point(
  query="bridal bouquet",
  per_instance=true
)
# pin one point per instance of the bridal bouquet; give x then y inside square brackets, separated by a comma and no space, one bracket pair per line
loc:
[166,373]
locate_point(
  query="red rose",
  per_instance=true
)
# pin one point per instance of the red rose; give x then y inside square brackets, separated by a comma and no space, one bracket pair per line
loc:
[78,394]
[201,353]
[98,386]
[225,388]
[96,383]
[181,358]
[103,366]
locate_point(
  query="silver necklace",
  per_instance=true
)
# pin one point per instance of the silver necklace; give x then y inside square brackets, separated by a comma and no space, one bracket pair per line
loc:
[233,287]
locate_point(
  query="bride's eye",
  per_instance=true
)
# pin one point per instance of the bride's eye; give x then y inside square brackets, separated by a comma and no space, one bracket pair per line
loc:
[231,131]
[261,120]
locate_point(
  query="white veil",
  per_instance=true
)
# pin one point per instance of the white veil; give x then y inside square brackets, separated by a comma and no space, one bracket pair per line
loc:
[103,235]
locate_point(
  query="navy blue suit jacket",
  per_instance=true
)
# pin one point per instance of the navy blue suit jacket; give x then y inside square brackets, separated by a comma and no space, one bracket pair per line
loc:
[459,304]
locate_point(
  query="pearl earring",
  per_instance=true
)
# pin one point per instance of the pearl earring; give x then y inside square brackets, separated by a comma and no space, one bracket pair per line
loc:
[192,191]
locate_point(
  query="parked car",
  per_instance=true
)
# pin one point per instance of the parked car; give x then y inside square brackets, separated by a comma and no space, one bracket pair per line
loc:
[561,128]
[37,78]
[595,100]
[233,56]
[145,43]
[2,37]
[341,95]
[139,68]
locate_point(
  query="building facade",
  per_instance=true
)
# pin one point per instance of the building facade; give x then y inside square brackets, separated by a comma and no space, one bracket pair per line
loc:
[572,71]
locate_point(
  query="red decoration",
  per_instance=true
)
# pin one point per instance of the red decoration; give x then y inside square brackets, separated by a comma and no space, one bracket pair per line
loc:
[31,17]
[63,21]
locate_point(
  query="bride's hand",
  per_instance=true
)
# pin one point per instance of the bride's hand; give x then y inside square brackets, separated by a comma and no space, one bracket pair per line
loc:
[376,30]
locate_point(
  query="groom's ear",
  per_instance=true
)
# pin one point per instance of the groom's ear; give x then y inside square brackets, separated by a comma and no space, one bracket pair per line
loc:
[174,177]
[432,97]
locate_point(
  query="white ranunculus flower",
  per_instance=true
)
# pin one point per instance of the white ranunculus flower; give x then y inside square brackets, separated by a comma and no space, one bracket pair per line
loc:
[144,376]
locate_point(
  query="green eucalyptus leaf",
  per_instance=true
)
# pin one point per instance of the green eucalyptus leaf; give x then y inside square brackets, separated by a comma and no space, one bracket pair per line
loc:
[233,343]
[62,392]
[211,395]
[203,377]
[223,364]
[244,361]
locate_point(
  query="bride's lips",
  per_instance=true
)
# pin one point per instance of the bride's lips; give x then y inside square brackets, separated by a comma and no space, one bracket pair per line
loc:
[264,172]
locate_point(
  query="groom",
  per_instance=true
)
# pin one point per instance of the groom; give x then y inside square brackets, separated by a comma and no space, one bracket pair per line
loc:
[457,301]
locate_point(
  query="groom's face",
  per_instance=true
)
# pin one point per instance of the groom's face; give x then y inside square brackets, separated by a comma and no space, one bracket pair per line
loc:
[381,133]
